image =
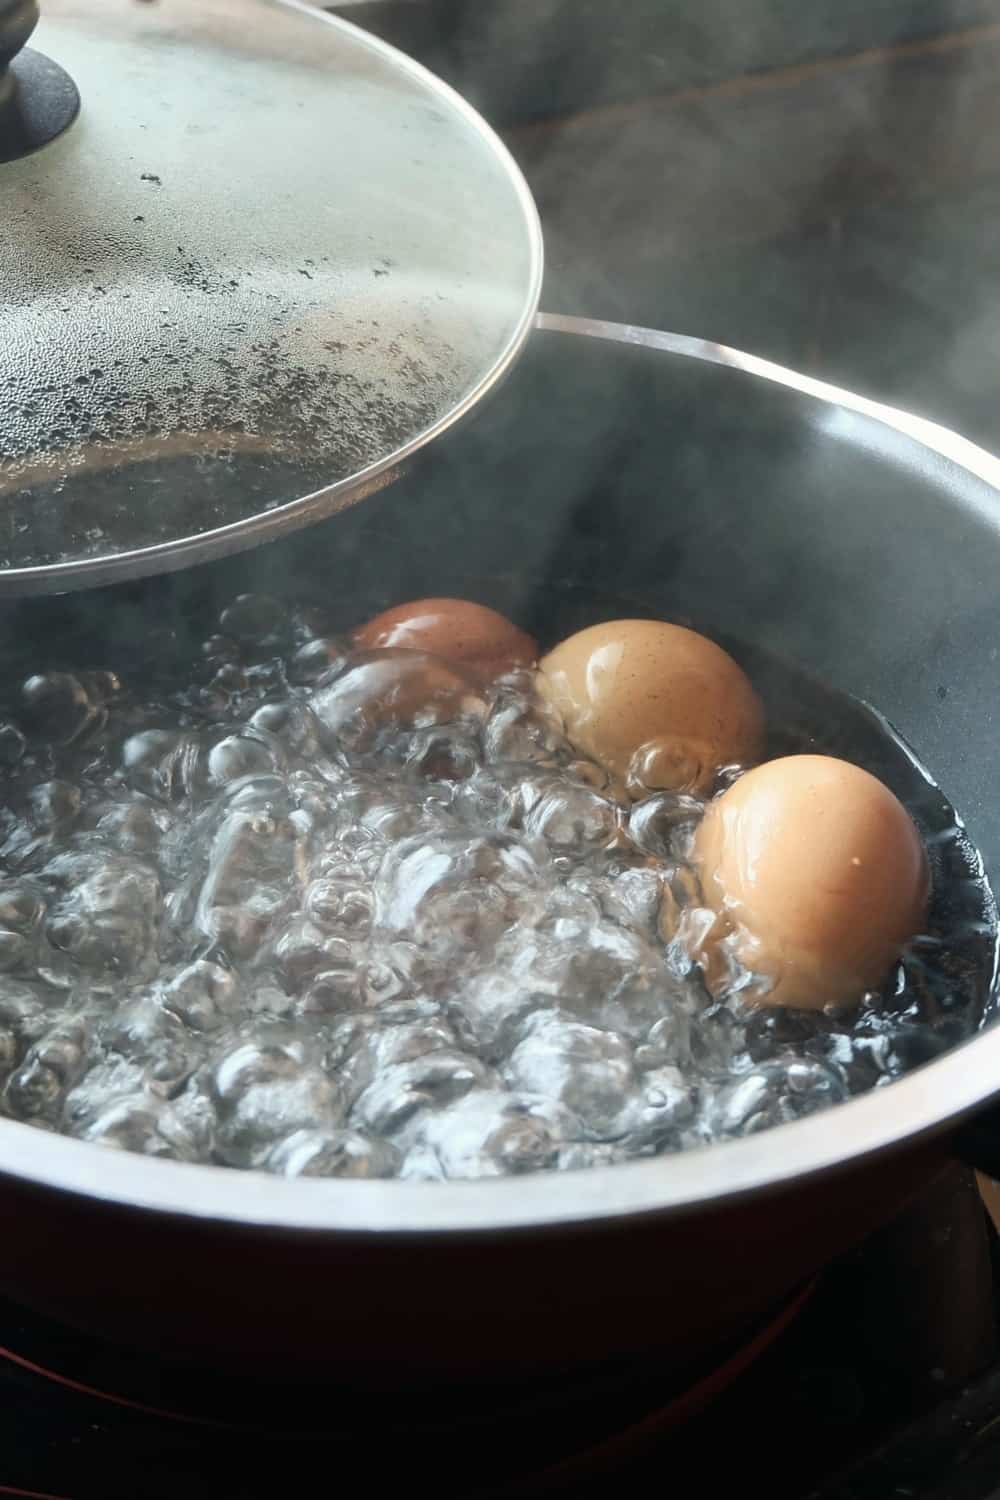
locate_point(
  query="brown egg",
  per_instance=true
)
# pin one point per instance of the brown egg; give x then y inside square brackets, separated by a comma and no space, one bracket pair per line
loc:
[817,875]
[653,703]
[382,688]
[484,641]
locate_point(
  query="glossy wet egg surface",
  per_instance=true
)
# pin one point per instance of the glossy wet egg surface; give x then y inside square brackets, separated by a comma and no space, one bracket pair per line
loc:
[458,630]
[818,877]
[657,705]
[397,902]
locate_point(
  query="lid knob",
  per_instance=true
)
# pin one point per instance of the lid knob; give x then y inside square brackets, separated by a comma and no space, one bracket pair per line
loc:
[18,19]
[38,99]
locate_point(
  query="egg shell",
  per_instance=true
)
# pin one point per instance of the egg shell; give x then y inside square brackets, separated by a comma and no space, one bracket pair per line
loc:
[818,876]
[458,630]
[655,700]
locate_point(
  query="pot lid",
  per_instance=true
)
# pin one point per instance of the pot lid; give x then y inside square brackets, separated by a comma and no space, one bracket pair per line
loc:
[252,259]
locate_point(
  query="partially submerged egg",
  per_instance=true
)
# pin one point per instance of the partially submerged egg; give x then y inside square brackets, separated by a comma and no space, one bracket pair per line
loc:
[817,876]
[379,689]
[477,637]
[654,703]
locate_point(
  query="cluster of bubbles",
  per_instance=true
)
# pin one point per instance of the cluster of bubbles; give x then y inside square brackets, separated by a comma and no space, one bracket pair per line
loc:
[321,912]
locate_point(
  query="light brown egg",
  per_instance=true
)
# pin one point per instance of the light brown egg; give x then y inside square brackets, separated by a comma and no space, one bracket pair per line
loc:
[654,703]
[818,876]
[482,640]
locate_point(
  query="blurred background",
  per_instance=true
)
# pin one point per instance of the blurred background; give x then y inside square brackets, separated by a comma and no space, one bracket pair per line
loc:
[817,181]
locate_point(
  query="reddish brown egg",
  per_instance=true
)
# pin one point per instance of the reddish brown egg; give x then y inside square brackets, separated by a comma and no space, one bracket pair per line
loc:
[404,688]
[458,630]
[817,876]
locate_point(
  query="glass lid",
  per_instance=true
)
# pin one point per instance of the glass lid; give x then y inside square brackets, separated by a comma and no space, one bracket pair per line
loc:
[252,259]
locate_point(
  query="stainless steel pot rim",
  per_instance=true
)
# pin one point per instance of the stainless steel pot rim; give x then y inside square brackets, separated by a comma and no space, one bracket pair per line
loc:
[911,1109]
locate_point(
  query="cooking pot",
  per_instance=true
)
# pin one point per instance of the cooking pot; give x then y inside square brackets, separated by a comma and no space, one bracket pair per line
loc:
[615,468]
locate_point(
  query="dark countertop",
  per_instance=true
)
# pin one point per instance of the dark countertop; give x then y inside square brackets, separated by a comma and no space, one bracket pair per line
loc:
[519,60]
[818,182]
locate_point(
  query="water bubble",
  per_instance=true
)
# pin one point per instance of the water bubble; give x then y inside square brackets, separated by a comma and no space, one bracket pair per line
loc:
[490,1133]
[219,648]
[311,620]
[633,897]
[400,1089]
[102,686]
[247,881]
[367,1046]
[449,753]
[774,1092]
[25,1013]
[21,907]
[391,687]
[341,904]
[331,913]
[485,801]
[453,890]
[162,763]
[53,804]
[107,918]
[574,820]
[656,1112]
[202,995]
[337,988]
[333,1153]
[518,729]
[666,763]
[59,707]
[589,1072]
[315,658]
[254,618]
[135,826]
[35,1091]
[9,1051]
[602,973]
[252,752]
[669,1039]
[139,1123]
[393,818]
[491,1011]
[385,982]
[300,952]
[15,951]
[12,743]
[663,825]
[265,1092]
[156,1040]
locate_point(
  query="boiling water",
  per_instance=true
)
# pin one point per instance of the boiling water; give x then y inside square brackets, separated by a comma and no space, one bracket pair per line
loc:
[254,922]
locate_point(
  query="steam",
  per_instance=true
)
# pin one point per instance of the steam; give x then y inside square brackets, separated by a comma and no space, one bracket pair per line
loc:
[815,189]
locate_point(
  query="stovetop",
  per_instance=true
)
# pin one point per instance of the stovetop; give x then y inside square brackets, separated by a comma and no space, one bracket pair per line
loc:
[881,1379]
